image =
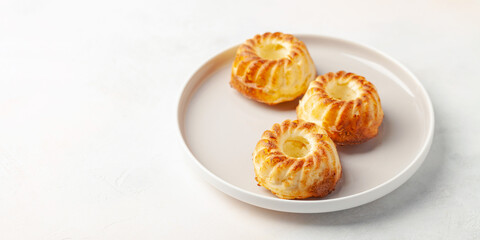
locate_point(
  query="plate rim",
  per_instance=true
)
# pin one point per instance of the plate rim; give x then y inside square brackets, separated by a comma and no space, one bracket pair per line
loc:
[303,206]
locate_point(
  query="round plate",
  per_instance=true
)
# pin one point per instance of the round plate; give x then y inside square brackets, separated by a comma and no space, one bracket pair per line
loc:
[219,128]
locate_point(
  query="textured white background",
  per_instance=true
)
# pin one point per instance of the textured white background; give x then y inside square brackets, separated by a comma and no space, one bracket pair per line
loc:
[88,146]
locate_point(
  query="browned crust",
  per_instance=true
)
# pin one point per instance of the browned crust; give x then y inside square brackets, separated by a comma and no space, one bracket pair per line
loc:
[268,153]
[344,127]
[250,72]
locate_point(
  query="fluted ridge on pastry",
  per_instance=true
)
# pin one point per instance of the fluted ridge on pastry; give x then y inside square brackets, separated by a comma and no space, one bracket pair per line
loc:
[346,121]
[272,81]
[313,175]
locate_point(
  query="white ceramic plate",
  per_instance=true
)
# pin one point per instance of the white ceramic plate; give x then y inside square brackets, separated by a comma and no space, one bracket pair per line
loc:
[219,128]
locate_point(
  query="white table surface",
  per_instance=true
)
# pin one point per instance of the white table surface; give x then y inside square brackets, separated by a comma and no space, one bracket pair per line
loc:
[88,144]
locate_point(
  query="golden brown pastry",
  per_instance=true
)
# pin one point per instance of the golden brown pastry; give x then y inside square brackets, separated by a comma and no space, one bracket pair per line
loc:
[272,68]
[297,160]
[345,104]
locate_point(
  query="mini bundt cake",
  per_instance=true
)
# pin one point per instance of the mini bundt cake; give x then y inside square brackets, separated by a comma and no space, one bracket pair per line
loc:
[345,104]
[272,68]
[297,160]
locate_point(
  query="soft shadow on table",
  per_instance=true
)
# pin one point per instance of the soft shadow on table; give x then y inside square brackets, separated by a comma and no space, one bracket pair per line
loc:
[407,199]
